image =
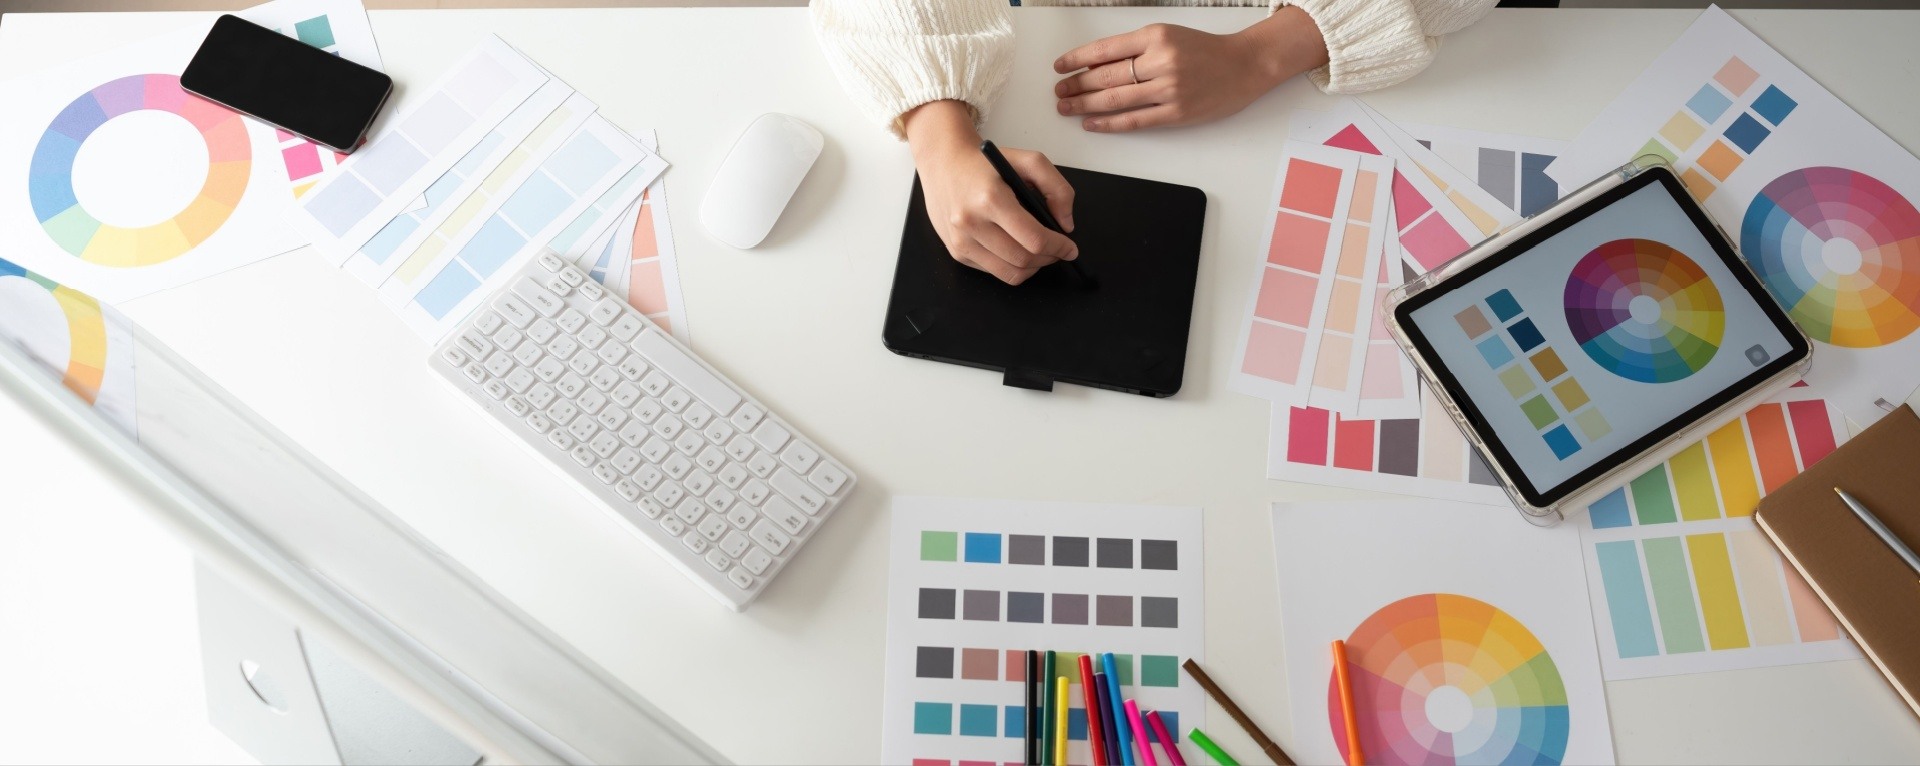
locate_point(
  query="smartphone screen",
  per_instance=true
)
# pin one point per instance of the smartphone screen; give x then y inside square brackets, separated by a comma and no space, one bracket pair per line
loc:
[304,90]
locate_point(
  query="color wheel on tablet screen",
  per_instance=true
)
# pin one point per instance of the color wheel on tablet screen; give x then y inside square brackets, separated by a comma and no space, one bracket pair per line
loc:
[1644,311]
[1443,679]
[1841,251]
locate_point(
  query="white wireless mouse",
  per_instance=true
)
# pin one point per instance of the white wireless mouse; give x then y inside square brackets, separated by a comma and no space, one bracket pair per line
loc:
[758,177]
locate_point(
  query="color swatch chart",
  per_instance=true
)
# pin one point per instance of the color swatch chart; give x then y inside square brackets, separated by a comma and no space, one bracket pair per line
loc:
[1445,678]
[1714,136]
[1313,199]
[1430,233]
[1424,456]
[1349,313]
[973,584]
[1533,373]
[1511,168]
[1466,639]
[1681,579]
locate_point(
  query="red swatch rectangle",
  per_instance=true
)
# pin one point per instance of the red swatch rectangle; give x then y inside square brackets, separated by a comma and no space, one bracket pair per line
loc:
[1016,665]
[303,159]
[1310,188]
[1772,447]
[1408,204]
[1812,430]
[1353,444]
[1307,435]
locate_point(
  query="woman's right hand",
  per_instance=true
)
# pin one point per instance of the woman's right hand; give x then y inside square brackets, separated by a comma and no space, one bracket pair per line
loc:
[975,212]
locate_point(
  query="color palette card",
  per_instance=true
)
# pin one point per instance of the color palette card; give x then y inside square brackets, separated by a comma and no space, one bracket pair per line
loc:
[1424,456]
[380,180]
[1680,578]
[1432,230]
[1349,313]
[1821,201]
[87,346]
[339,27]
[1512,168]
[1474,645]
[1280,339]
[1487,213]
[1389,386]
[119,184]
[975,583]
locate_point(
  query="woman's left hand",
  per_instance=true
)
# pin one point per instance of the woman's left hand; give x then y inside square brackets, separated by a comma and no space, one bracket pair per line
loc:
[1164,74]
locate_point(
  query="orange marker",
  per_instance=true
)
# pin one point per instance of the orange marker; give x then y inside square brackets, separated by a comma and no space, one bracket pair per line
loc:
[1340,676]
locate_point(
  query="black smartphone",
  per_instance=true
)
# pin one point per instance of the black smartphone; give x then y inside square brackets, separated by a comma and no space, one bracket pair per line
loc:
[279,80]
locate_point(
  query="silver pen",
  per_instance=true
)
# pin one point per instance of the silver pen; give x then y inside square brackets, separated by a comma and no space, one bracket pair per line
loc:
[1886,535]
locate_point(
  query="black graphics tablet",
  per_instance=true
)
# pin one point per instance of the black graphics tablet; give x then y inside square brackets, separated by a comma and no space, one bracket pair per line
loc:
[1120,323]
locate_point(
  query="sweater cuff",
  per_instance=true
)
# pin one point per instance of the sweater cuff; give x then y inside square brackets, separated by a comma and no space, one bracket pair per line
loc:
[1370,45]
[888,73]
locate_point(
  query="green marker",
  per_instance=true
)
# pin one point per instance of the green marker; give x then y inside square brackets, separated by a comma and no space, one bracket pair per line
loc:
[1219,756]
[1046,718]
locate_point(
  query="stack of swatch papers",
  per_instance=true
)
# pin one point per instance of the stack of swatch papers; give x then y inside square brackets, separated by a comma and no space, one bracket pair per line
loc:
[1359,206]
[495,163]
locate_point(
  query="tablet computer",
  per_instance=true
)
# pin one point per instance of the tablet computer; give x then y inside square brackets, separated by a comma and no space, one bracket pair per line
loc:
[1595,339]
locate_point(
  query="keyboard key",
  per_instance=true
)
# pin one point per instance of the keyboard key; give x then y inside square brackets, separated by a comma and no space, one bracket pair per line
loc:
[488,322]
[625,461]
[655,450]
[769,537]
[756,561]
[712,527]
[740,448]
[655,383]
[541,299]
[592,291]
[540,396]
[549,369]
[563,346]
[603,378]
[698,482]
[748,417]
[769,435]
[584,365]
[676,466]
[668,426]
[611,418]
[541,331]
[675,527]
[651,507]
[718,432]
[539,422]
[711,459]
[625,395]
[732,475]
[633,433]
[518,406]
[605,444]
[626,327]
[474,372]
[799,457]
[570,321]
[612,353]
[740,579]
[741,515]
[573,277]
[670,494]
[454,356]
[689,512]
[516,311]
[495,389]
[626,490]
[528,354]
[507,338]
[591,337]
[647,410]
[632,367]
[581,454]
[605,473]
[649,476]
[520,380]
[735,544]
[783,513]
[762,464]
[570,386]
[828,477]
[562,412]
[720,500]
[789,484]
[689,443]
[687,371]
[676,399]
[695,543]
[697,416]
[583,429]
[604,312]
[551,262]
[719,561]
[591,401]
[500,363]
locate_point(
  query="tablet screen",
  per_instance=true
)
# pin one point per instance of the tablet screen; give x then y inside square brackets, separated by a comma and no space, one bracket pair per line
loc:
[1600,334]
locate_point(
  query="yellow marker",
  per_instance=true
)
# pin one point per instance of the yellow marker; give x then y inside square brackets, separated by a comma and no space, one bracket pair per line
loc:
[1060,720]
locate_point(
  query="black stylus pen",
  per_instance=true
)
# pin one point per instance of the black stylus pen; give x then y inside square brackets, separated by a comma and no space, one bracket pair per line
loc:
[1030,199]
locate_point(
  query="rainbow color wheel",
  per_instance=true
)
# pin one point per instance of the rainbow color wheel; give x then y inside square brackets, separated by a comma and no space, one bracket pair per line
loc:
[1841,251]
[1445,679]
[86,332]
[1644,311]
[50,177]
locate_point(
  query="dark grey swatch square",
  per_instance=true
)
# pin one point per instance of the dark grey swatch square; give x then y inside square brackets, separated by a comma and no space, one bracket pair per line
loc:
[1159,554]
[1026,549]
[1026,607]
[936,603]
[1069,551]
[1116,611]
[981,605]
[1069,608]
[1159,612]
[1116,553]
[934,662]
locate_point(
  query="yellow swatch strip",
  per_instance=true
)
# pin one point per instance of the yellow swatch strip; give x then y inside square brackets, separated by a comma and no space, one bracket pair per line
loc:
[1733,467]
[1693,484]
[1719,598]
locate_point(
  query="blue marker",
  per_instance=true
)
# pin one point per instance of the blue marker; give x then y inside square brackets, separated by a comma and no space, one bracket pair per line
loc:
[1119,712]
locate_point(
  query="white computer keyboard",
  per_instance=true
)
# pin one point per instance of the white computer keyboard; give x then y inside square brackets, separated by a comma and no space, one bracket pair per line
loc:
[699,469]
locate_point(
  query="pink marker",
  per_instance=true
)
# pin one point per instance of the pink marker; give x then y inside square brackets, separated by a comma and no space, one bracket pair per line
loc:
[1166,739]
[1140,735]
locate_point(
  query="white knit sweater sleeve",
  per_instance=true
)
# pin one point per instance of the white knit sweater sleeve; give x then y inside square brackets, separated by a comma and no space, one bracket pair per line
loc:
[1372,44]
[894,55]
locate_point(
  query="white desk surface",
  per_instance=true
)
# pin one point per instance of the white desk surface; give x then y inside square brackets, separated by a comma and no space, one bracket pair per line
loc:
[798,677]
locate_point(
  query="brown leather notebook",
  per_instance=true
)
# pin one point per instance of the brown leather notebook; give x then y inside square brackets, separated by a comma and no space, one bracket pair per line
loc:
[1866,584]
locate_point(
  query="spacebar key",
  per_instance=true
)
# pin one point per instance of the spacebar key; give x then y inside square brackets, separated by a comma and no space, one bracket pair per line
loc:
[687,371]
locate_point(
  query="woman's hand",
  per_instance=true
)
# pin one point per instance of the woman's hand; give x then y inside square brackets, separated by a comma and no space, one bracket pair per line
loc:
[1163,74]
[974,211]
